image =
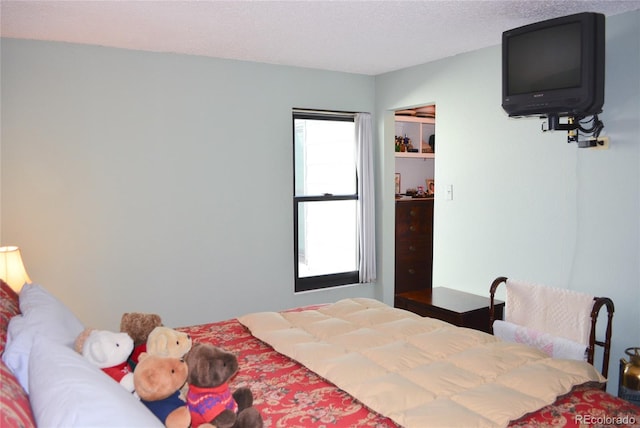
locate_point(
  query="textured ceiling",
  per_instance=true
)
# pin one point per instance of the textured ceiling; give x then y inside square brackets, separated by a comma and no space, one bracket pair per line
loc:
[368,37]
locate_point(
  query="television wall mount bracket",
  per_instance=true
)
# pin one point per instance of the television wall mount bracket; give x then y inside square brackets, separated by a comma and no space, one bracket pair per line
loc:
[553,124]
[572,126]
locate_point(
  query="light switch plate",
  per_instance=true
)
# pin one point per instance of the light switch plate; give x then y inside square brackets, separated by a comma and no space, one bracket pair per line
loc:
[448,192]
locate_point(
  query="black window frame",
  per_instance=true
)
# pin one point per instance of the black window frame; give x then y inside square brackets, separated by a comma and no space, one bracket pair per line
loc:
[318,282]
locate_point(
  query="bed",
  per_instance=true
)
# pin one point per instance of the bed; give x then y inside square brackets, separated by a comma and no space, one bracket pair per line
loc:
[287,393]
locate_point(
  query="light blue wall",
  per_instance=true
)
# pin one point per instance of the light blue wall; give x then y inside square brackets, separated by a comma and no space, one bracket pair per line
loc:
[162,183]
[527,204]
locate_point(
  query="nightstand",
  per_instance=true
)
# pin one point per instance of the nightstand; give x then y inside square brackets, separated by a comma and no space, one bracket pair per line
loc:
[453,306]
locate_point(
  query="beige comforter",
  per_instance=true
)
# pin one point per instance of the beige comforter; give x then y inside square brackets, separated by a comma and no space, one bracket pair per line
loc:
[420,372]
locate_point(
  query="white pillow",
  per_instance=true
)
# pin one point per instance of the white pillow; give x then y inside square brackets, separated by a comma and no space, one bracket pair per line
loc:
[69,391]
[52,316]
[41,313]
[16,352]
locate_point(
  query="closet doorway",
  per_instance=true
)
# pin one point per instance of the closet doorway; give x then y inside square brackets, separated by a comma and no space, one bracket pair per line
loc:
[415,155]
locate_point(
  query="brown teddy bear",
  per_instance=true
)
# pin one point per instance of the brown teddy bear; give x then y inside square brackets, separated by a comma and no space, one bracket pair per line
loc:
[157,382]
[209,399]
[139,325]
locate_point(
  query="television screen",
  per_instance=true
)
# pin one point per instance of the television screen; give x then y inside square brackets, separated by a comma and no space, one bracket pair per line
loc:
[538,61]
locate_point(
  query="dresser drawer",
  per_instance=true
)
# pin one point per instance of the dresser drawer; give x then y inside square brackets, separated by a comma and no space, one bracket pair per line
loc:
[415,227]
[412,277]
[415,246]
[414,219]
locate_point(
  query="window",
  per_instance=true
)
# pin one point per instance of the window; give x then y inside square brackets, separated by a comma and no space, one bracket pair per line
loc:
[325,200]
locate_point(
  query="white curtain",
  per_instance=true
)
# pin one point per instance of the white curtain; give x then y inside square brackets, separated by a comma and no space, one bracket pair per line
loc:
[366,200]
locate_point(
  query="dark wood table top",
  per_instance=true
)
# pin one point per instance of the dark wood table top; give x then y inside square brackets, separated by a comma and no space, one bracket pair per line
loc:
[450,299]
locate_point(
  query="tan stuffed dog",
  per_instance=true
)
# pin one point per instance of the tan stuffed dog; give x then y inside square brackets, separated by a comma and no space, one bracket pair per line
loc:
[157,382]
[167,342]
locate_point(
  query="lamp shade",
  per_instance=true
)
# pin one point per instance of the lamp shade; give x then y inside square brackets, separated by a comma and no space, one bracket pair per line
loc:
[12,269]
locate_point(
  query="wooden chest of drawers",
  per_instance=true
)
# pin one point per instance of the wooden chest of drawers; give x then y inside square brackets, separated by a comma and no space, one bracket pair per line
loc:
[414,244]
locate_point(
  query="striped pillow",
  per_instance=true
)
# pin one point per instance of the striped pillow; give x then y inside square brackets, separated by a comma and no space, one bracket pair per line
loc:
[15,410]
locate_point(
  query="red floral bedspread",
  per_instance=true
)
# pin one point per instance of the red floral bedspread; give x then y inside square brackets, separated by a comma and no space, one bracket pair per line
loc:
[289,395]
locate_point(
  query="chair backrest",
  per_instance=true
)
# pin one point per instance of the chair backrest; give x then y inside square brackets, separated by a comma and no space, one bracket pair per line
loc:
[590,328]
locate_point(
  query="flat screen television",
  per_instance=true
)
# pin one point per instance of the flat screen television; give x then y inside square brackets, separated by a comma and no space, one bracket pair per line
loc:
[554,67]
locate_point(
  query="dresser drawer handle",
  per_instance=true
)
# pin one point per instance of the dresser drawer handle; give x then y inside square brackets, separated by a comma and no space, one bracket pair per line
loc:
[412,248]
[412,228]
[411,271]
[413,213]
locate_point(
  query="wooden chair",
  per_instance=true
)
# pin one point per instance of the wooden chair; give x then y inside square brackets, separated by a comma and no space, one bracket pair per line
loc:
[598,303]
